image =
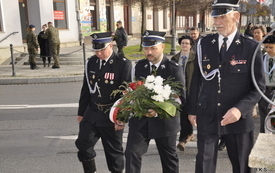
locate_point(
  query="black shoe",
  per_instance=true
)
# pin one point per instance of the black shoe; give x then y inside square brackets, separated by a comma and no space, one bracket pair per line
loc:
[221,146]
[55,66]
[34,67]
[181,146]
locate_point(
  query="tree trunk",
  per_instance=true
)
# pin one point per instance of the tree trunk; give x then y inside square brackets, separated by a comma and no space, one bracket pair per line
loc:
[143,22]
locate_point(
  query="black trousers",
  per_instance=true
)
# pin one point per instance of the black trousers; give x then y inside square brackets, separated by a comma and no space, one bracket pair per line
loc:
[263,104]
[137,145]
[88,136]
[238,150]
[120,50]
[186,126]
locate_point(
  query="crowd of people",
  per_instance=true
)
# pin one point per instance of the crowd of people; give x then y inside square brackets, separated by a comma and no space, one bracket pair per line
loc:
[48,42]
[217,96]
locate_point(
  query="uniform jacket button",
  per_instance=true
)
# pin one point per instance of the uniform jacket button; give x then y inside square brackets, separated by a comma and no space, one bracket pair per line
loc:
[219,104]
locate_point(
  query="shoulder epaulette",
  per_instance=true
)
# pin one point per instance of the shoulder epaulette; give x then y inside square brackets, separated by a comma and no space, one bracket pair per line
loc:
[246,36]
[208,35]
[173,63]
[140,61]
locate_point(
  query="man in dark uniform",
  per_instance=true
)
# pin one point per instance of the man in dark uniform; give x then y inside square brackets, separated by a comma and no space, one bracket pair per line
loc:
[222,92]
[164,131]
[104,73]
[121,38]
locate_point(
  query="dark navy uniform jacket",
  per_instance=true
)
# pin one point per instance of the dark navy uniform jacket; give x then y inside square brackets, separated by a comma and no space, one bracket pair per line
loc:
[211,100]
[116,70]
[158,127]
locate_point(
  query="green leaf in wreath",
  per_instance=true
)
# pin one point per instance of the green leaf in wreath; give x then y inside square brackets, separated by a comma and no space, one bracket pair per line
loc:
[167,107]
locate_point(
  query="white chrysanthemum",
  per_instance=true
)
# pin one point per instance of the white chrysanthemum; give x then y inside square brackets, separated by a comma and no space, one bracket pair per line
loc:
[167,88]
[158,80]
[149,86]
[158,98]
[165,95]
[150,78]
[158,89]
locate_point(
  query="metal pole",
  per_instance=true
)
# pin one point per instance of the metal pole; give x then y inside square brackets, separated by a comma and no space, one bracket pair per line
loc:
[12,60]
[173,41]
[84,54]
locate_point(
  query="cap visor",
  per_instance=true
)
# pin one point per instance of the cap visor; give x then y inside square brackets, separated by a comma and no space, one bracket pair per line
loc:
[220,11]
[150,43]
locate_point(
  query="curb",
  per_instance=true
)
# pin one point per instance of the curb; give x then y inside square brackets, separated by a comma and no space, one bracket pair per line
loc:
[41,80]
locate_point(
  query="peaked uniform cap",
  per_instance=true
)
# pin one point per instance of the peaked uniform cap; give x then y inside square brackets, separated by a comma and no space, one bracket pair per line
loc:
[152,38]
[222,7]
[270,39]
[101,40]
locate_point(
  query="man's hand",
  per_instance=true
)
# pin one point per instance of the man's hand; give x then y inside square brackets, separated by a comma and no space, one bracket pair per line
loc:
[192,119]
[232,115]
[79,118]
[119,125]
[151,113]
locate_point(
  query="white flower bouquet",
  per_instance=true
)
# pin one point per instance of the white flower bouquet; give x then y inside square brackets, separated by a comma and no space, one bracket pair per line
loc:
[153,93]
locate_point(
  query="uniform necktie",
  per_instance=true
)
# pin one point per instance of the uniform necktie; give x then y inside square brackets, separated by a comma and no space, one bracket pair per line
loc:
[183,59]
[154,70]
[102,64]
[223,48]
[270,66]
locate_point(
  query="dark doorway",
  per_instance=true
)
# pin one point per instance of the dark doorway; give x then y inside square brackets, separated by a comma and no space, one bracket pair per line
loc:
[23,18]
[126,18]
[108,18]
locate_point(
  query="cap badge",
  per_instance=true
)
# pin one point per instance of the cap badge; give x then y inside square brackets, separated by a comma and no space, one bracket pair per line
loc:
[146,33]
[215,1]
[95,36]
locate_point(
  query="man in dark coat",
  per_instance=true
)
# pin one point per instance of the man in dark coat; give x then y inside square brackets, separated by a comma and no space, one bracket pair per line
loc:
[164,131]
[121,38]
[105,72]
[222,93]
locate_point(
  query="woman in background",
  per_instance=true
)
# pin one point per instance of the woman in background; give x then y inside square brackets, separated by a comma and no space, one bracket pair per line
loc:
[44,46]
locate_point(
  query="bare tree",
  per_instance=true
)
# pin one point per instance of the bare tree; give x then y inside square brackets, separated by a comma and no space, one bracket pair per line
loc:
[146,4]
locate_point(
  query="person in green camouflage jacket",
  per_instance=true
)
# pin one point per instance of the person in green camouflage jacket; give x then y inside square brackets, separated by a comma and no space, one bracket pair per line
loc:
[52,34]
[32,46]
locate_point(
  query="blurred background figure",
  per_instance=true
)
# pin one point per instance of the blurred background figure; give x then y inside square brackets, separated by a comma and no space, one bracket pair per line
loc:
[259,31]
[32,46]
[121,38]
[52,34]
[248,30]
[195,35]
[44,46]
[185,58]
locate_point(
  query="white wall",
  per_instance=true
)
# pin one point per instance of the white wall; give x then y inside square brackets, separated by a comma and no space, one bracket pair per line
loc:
[11,23]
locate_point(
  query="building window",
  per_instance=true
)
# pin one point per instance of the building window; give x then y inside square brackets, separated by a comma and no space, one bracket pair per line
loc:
[94,15]
[59,13]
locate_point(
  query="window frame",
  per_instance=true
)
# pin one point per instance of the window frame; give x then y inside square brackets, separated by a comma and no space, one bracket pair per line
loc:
[65,15]
[1,17]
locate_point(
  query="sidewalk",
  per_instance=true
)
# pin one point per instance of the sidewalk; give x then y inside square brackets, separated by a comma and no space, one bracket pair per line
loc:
[66,73]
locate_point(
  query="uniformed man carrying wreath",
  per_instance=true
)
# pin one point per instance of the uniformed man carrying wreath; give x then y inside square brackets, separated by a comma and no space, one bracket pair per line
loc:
[104,73]
[163,131]
[222,91]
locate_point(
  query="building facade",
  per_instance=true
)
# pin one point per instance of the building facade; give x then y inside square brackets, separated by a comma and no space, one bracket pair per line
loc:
[17,15]
[77,19]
